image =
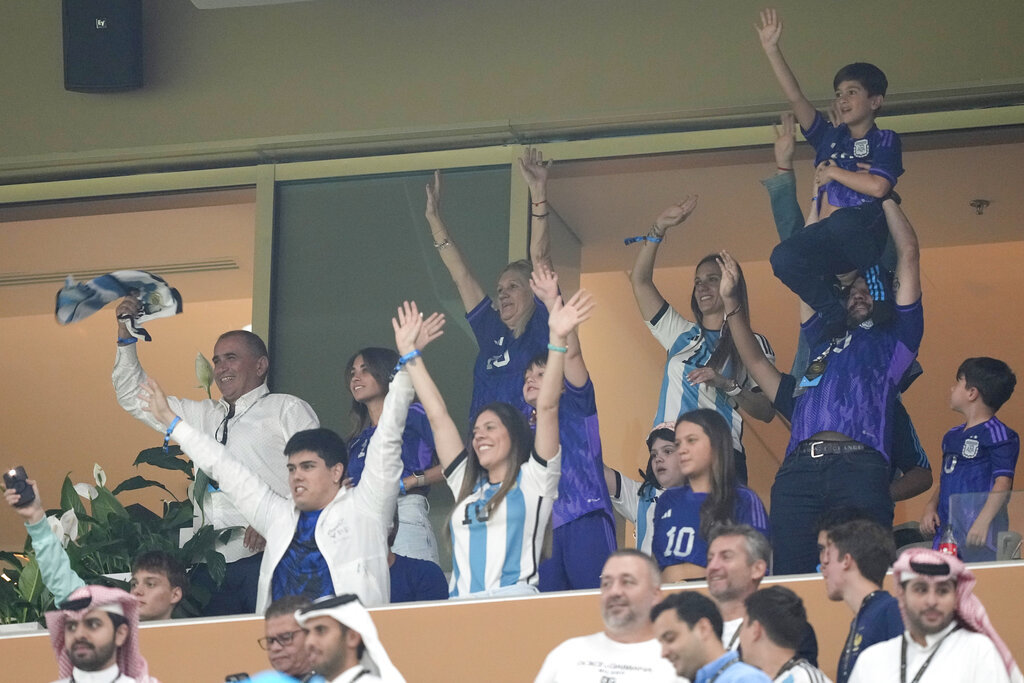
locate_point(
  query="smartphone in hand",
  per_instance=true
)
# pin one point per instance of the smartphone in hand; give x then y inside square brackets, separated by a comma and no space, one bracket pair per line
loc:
[17,481]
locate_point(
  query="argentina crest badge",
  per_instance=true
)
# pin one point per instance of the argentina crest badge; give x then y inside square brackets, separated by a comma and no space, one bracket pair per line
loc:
[861,149]
[970,448]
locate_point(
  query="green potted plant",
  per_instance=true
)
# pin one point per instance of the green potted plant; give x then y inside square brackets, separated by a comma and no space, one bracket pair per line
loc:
[102,541]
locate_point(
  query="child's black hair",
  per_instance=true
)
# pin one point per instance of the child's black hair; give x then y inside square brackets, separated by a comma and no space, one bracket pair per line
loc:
[868,75]
[993,379]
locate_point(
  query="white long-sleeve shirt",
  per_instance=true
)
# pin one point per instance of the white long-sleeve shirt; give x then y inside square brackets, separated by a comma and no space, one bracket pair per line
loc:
[257,433]
[351,532]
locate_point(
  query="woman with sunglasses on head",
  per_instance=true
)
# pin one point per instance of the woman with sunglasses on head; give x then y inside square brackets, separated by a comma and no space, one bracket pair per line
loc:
[505,481]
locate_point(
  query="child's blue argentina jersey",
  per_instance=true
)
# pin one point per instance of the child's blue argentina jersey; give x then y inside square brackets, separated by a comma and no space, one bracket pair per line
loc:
[501,549]
[417,447]
[880,148]
[971,461]
[582,488]
[690,348]
[677,536]
[502,360]
[636,502]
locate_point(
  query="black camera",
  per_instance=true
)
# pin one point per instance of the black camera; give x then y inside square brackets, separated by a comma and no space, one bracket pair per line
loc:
[16,480]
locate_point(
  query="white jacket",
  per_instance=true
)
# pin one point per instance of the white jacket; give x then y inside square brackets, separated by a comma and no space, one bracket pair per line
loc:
[351,532]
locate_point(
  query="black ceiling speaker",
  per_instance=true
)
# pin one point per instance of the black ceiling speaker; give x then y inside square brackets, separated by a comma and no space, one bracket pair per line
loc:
[102,45]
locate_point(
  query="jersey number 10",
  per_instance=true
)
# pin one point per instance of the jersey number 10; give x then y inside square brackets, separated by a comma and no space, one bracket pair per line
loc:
[680,541]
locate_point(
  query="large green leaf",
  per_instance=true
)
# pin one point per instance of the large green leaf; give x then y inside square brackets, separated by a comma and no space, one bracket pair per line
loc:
[177,515]
[69,498]
[30,582]
[216,565]
[105,505]
[138,482]
[199,490]
[11,559]
[168,461]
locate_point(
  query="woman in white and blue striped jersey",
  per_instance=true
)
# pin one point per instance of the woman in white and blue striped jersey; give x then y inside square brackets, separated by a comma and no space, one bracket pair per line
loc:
[503,488]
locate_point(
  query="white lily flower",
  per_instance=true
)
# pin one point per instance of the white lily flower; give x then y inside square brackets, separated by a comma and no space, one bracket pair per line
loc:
[65,528]
[204,373]
[69,523]
[56,527]
[98,475]
[87,491]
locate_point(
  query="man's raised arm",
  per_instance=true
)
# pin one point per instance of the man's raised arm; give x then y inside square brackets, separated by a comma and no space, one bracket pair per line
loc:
[757,364]
[908,254]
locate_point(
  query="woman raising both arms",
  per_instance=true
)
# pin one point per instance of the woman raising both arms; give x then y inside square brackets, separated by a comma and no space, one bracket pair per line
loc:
[504,482]
[512,330]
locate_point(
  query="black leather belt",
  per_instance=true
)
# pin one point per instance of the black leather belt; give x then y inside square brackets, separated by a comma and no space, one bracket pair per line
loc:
[817,449]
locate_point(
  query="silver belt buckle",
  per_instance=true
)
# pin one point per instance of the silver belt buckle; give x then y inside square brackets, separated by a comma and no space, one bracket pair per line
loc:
[814,452]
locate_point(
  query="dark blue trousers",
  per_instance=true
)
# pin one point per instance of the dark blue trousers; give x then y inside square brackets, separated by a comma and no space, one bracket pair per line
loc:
[806,487]
[852,238]
[578,553]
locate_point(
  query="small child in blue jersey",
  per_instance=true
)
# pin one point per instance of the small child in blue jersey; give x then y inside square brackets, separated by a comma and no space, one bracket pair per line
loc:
[583,527]
[856,166]
[978,457]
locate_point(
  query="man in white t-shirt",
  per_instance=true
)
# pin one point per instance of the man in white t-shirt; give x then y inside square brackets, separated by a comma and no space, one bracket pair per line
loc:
[626,651]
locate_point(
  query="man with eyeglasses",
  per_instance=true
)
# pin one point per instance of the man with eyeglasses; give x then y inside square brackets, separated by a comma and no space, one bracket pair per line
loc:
[342,642]
[285,640]
[252,423]
[95,635]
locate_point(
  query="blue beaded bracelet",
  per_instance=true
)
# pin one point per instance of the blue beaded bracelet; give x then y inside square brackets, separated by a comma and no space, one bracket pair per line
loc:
[405,359]
[126,341]
[170,428]
[559,349]
[642,238]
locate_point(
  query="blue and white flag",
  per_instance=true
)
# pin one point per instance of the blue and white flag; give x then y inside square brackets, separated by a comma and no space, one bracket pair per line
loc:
[79,300]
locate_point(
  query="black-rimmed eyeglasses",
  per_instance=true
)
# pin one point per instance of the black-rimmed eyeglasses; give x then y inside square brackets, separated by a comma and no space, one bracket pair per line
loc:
[282,639]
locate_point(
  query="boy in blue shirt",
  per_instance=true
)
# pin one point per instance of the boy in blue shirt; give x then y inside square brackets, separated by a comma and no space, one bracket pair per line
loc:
[583,526]
[856,165]
[978,457]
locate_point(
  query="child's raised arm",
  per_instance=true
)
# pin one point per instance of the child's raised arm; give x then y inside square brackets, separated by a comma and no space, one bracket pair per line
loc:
[562,321]
[769,31]
[412,334]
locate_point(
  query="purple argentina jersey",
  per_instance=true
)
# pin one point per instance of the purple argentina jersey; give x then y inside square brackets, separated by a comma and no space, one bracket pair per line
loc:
[417,447]
[971,461]
[855,394]
[677,536]
[501,363]
[582,488]
[880,148]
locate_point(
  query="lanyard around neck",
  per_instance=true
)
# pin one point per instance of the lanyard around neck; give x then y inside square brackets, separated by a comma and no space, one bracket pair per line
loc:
[920,672]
